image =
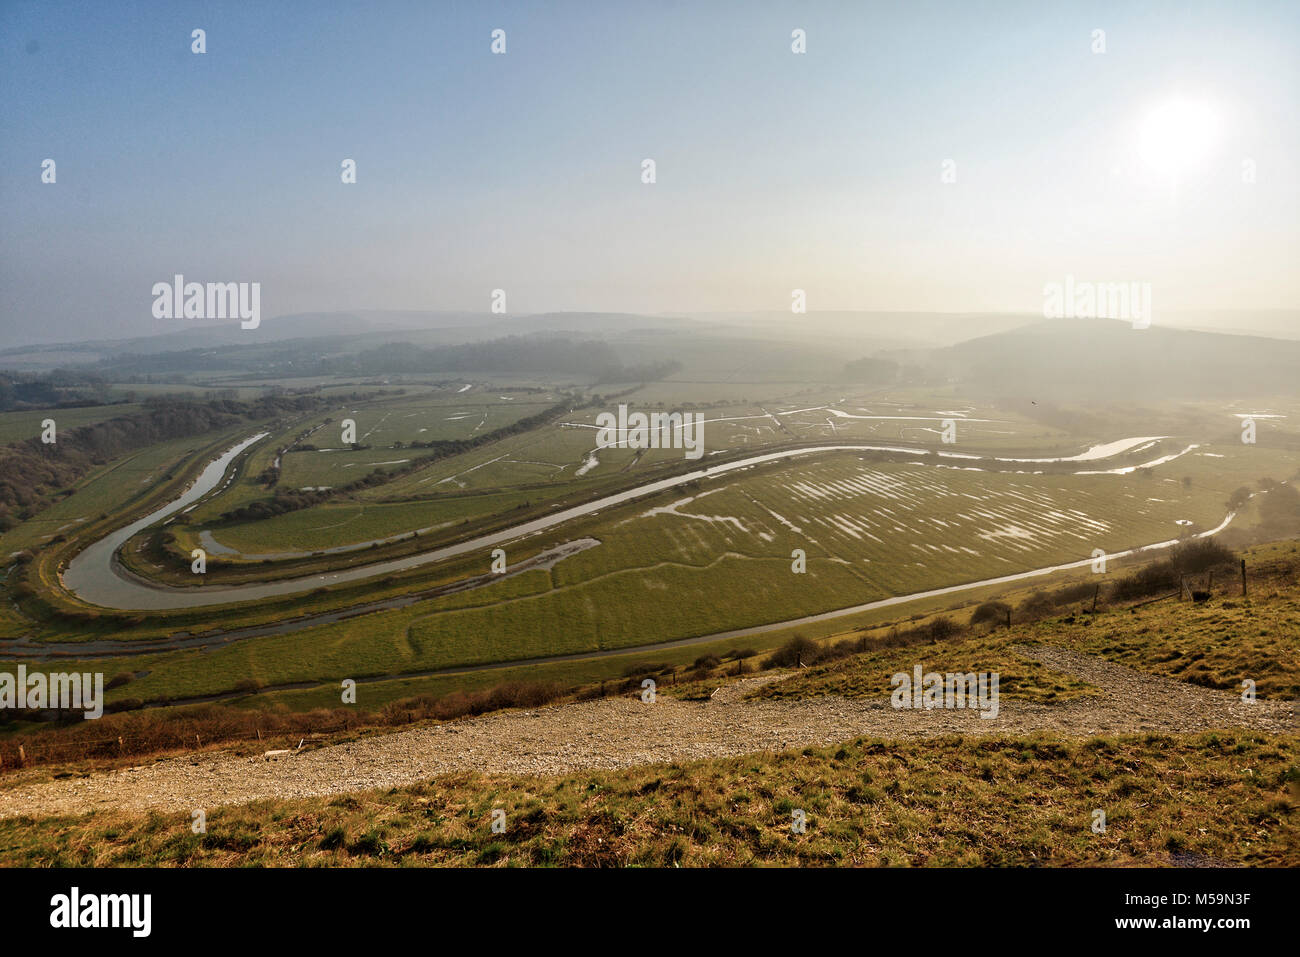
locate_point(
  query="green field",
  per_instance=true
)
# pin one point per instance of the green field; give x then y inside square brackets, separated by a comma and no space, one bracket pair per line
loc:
[556,458]
[668,568]
[688,563]
[17,426]
[345,523]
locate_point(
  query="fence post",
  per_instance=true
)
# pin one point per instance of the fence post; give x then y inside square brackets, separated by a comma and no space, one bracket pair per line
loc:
[1243,578]
[22,756]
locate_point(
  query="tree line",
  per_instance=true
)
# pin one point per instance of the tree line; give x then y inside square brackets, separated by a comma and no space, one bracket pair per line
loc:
[34,474]
[61,388]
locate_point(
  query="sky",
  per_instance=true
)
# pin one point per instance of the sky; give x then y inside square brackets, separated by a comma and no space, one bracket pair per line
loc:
[822,171]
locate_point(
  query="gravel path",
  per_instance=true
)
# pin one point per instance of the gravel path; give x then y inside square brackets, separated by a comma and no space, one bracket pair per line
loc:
[622,732]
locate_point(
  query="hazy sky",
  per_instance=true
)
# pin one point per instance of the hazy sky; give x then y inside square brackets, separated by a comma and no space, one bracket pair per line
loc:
[522,171]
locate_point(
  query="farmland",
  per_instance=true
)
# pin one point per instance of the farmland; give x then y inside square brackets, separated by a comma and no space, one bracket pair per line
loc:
[807,534]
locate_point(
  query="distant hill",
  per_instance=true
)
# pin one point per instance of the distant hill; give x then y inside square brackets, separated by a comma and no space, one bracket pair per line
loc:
[896,330]
[1272,323]
[1109,359]
[358,328]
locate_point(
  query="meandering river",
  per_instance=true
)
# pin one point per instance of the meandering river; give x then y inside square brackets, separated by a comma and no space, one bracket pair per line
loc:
[95,576]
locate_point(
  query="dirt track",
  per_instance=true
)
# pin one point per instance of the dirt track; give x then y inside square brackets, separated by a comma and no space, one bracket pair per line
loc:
[622,732]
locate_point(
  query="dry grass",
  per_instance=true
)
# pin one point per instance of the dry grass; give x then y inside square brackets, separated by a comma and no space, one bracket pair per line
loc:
[1228,799]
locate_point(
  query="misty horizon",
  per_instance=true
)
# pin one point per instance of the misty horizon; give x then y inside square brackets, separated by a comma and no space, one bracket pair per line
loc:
[1147,155]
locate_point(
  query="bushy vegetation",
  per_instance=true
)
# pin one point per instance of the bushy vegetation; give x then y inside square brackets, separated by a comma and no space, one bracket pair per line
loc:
[62,388]
[125,731]
[33,474]
[1189,558]
[804,652]
[1048,602]
[991,612]
[1212,644]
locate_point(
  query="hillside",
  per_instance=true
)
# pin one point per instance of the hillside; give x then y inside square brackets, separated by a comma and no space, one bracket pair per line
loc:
[1109,360]
[1187,773]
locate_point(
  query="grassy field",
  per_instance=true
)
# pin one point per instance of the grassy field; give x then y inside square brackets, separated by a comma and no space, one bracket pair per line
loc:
[1222,799]
[555,459]
[661,575]
[1217,644]
[1225,798]
[867,675]
[691,562]
[17,426]
[1180,640]
[506,464]
[108,489]
[336,524]
[658,577]
[384,426]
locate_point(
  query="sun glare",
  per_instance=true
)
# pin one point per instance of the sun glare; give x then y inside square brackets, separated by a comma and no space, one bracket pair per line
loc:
[1178,135]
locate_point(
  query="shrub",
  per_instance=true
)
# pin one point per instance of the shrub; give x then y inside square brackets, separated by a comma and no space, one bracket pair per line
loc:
[1188,558]
[942,629]
[1200,555]
[794,652]
[995,612]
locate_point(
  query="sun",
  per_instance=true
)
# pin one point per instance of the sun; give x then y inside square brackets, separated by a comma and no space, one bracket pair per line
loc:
[1178,135]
